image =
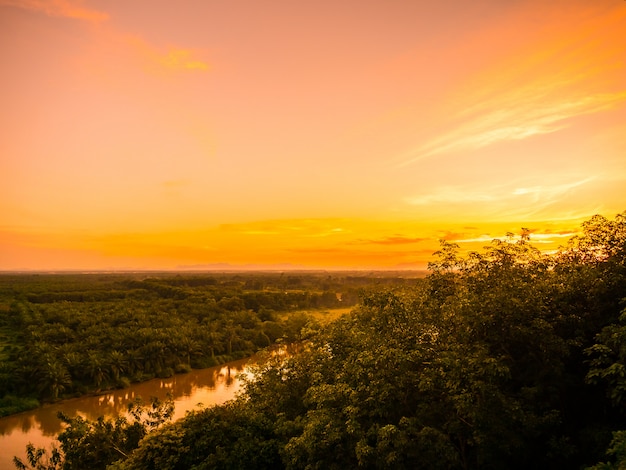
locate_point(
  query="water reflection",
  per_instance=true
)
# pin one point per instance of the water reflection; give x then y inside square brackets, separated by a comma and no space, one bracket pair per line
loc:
[207,387]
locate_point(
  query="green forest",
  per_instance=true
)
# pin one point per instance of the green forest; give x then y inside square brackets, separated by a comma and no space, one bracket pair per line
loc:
[65,335]
[504,358]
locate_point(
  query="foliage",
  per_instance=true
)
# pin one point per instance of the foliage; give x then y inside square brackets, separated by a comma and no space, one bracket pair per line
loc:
[11,404]
[608,360]
[617,451]
[97,444]
[200,443]
[38,459]
[67,334]
[507,358]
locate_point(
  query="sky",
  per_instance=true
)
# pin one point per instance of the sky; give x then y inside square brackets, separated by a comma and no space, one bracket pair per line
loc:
[197,134]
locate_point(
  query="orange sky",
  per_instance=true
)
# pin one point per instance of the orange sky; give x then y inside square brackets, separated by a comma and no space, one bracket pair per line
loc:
[354,134]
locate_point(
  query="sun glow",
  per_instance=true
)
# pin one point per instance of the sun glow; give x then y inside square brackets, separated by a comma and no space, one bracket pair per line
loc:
[342,135]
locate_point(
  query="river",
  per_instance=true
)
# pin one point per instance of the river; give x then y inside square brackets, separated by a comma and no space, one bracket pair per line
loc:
[40,426]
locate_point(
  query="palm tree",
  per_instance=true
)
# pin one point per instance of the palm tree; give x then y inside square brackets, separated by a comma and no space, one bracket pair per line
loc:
[213,337]
[97,368]
[134,359]
[117,364]
[154,354]
[53,377]
[189,347]
[231,334]
[74,363]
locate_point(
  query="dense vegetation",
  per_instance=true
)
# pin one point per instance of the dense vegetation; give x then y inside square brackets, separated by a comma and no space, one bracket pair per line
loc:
[502,359]
[65,335]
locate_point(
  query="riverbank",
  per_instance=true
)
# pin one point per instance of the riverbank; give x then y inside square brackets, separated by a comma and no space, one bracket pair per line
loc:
[66,335]
[11,405]
[40,426]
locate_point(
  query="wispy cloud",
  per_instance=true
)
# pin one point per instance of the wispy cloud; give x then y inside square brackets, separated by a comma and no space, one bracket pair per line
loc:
[395,240]
[538,193]
[520,120]
[550,237]
[538,238]
[479,239]
[537,92]
[164,58]
[182,59]
[452,194]
[171,58]
[306,228]
[511,199]
[59,8]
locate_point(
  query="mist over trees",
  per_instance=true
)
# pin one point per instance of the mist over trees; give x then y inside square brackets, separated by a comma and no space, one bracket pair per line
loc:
[507,358]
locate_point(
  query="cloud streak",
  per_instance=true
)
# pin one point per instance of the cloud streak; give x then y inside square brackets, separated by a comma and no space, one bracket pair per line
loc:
[537,238]
[538,92]
[390,241]
[538,193]
[170,58]
[519,120]
[452,194]
[173,58]
[397,240]
[59,8]
[525,201]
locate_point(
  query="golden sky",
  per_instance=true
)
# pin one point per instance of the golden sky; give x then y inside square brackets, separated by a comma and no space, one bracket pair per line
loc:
[318,134]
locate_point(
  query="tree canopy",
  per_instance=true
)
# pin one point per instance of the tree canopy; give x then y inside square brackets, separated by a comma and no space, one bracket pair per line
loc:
[507,358]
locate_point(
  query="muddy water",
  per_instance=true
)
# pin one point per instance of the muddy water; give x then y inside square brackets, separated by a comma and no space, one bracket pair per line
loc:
[210,386]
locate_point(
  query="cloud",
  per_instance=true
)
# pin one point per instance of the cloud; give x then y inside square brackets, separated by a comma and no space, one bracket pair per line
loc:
[537,199]
[496,195]
[571,72]
[452,236]
[317,250]
[292,228]
[260,232]
[59,8]
[520,120]
[550,237]
[480,239]
[182,59]
[452,194]
[537,238]
[538,193]
[170,58]
[396,240]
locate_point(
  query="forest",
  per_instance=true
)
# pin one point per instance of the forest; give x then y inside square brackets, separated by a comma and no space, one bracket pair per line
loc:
[504,358]
[64,335]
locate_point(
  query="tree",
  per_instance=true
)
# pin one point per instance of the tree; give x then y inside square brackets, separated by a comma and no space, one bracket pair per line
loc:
[38,459]
[117,364]
[187,346]
[53,377]
[96,367]
[504,358]
[228,436]
[616,451]
[86,444]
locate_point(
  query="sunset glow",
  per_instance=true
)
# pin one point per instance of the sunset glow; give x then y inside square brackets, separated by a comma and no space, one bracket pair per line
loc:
[276,135]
